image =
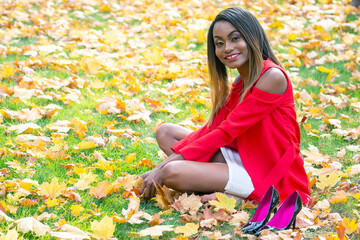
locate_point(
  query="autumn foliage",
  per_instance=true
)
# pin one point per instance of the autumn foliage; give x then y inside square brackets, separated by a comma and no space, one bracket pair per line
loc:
[84,84]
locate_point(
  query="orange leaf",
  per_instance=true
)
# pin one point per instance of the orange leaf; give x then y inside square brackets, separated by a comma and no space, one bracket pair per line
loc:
[340,196]
[101,190]
[156,220]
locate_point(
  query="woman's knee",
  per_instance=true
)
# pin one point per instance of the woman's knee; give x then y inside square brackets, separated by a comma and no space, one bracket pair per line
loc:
[171,175]
[163,132]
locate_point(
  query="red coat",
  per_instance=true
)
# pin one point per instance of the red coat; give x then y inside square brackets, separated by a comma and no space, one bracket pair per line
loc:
[264,130]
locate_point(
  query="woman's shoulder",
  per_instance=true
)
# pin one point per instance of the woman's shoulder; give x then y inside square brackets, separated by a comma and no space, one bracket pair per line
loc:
[273,80]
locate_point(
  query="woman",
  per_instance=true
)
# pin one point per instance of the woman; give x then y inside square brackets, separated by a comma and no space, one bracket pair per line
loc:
[251,140]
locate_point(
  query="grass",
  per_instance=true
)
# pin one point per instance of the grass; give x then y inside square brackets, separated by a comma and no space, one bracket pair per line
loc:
[44,169]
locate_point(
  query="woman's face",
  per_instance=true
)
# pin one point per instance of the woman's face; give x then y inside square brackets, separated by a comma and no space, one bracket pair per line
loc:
[230,47]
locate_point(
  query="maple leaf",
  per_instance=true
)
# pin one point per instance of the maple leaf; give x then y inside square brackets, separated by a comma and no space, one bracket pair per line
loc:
[30,224]
[84,145]
[103,229]
[164,196]
[190,204]
[155,231]
[76,210]
[70,232]
[101,190]
[339,196]
[53,189]
[85,180]
[10,235]
[329,182]
[240,218]
[188,229]
[350,226]
[223,202]
[156,220]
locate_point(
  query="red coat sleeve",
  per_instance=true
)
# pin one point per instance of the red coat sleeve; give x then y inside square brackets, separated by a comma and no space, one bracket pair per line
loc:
[254,108]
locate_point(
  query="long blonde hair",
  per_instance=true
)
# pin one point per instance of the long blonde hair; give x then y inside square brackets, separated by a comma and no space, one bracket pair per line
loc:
[258,47]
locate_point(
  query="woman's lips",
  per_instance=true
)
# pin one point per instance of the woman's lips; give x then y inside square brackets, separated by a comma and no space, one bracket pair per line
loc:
[232,56]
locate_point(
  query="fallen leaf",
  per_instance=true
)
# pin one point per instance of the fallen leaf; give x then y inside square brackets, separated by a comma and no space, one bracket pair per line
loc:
[104,228]
[30,224]
[156,231]
[187,230]
[53,189]
[70,232]
[101,190]
[223,202]
[188,204]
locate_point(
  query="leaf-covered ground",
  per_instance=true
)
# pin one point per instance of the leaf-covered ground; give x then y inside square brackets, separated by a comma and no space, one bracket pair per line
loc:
[85,83]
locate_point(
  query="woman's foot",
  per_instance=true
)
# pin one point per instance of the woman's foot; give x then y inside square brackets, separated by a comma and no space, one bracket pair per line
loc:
[208,197]
[212,196]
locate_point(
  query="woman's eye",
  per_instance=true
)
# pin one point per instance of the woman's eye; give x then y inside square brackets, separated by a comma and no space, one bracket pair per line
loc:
[235,38]
[218,44]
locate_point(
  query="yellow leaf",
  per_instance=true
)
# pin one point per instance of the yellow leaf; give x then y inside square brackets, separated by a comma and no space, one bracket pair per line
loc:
[340,196]
[10,235]
[297,62]
[105,8]
[85,180]
[79,127]
[155,231]
[29,184]
[104,229]
[52,202]
[130,158]
[223,202]
[76,210]
[324,70]
[329,182]
[7,71]
[30,224]
[188,229]
[52,189]
[350,226]
[85,145]
[292,37]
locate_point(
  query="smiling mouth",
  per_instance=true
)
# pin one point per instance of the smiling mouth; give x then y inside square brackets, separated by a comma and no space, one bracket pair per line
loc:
[232,56]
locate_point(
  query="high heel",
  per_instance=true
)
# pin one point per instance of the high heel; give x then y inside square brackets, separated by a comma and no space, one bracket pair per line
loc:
[262,214]
[285,217]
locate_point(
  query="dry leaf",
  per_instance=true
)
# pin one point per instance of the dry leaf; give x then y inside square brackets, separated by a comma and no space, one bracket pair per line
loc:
[156,231]
[103,229]
[223,202]
[190,204]
[30,224]
[187,230]
[53,189]
[70,232]
[101,190]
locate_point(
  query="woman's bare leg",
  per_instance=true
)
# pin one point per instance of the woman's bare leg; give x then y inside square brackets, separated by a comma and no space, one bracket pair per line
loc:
[168,134]
[191,176]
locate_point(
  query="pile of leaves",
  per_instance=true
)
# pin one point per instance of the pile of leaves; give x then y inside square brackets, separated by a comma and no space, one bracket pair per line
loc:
[84,84]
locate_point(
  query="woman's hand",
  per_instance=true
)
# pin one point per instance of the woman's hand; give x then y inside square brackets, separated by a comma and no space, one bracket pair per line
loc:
[148,189]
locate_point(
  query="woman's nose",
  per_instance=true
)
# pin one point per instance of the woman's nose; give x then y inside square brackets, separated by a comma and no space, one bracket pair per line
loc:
[229,46]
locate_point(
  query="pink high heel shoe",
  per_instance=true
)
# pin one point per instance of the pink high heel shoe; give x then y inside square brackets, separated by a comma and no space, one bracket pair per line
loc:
[266,206]
[285,217]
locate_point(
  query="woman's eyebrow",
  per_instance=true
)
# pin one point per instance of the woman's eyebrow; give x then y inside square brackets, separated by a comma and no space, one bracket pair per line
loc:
[228,34]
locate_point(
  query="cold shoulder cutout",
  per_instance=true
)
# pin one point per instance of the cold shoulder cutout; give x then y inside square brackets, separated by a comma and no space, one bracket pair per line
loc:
[272,81]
